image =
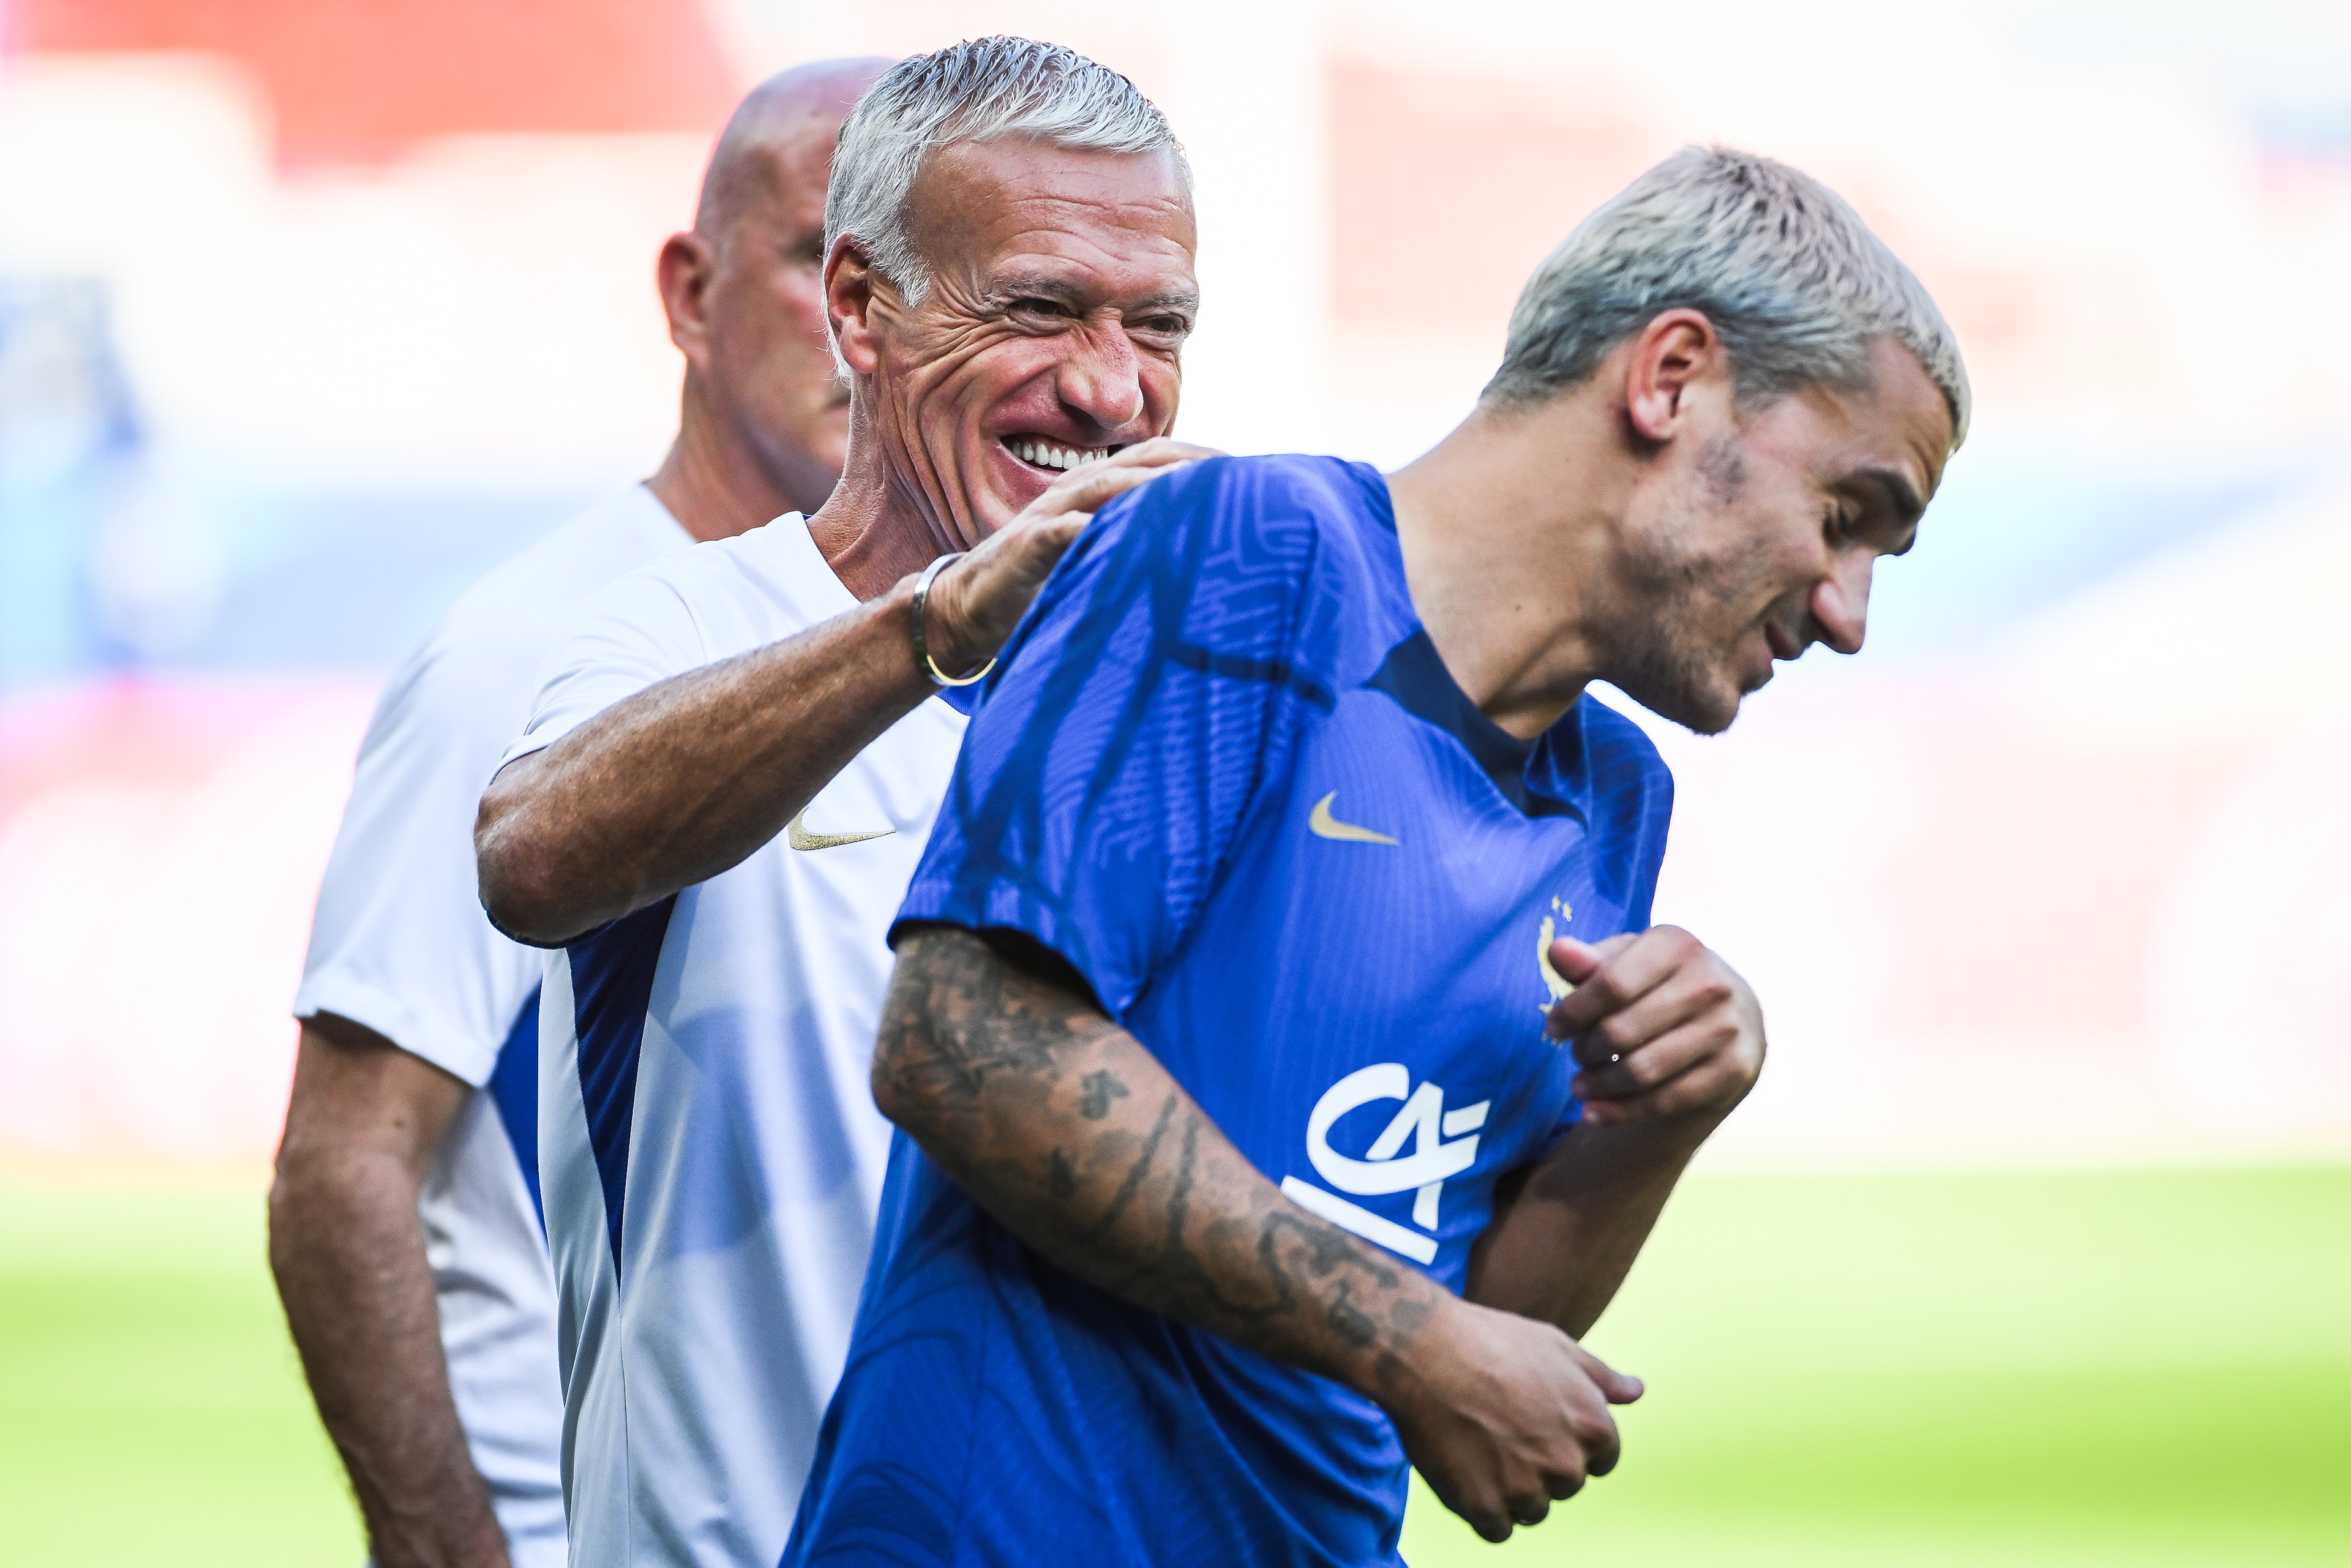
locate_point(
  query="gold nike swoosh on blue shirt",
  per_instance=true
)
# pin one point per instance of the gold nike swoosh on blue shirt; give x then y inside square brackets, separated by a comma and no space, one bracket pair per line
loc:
[1324,825]
[800,838]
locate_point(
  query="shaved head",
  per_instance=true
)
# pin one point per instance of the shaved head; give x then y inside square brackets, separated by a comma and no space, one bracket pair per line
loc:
[767,141]
[764,420]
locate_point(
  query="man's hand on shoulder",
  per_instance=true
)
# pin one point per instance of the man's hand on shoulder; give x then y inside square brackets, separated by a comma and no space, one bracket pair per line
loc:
[685,778]
[1665,1030]
[974,606]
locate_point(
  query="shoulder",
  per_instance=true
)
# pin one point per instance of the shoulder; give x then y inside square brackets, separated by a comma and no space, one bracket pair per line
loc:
[509,618]
[1239,542]
[686,608]
[735,593]
[1280,482]
[1280,504]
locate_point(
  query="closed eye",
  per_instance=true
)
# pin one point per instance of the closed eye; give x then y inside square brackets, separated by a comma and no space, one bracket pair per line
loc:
[1885,507]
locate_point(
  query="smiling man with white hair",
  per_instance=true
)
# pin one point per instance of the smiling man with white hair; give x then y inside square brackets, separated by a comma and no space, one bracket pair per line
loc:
[737,754]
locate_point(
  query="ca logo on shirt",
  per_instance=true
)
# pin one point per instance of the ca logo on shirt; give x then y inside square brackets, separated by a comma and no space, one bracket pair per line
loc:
[1443,1144]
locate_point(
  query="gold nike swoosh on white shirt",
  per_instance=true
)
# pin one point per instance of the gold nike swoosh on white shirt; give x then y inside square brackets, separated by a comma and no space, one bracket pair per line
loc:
[800,838]
[1324,825]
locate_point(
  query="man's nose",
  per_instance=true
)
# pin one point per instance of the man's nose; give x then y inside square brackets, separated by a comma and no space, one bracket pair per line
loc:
[1101,381]
[1841,602]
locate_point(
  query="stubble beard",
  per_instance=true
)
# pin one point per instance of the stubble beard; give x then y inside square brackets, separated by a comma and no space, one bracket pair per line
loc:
[1673,681]
[1672,656]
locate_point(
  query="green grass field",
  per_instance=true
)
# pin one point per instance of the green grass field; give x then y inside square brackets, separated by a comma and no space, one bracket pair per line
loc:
[2142,1369]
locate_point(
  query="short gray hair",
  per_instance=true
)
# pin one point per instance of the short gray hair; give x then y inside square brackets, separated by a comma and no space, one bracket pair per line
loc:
[983,90]
[1791,278]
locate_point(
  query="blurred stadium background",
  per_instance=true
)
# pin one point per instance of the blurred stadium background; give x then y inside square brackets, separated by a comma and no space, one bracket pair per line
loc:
[2036,1240]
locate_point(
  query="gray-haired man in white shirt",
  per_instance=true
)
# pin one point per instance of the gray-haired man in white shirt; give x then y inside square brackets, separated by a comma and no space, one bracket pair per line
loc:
[404,1229]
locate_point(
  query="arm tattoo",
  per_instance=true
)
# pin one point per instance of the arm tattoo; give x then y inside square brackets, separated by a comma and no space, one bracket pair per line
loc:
[1100,1088]
[1070,1132]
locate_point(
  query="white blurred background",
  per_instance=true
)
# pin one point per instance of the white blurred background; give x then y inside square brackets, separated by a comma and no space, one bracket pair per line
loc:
[311,310]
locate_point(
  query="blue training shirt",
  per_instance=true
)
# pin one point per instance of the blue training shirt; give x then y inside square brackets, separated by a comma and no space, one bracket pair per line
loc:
[1223,772]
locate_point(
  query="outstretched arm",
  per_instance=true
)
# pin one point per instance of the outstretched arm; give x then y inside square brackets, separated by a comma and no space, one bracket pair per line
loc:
[1068,1131]
[1670,1040]
[689,776]
[345,1244]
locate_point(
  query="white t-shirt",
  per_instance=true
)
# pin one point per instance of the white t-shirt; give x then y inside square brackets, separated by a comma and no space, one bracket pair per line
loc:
[711,1154]
[401,945]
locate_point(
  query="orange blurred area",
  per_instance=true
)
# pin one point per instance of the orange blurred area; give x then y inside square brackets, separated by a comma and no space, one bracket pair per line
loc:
[1511,166]
[366,80]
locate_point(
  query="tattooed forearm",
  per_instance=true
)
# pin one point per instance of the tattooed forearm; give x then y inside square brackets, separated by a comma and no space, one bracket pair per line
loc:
[1069,1132]
[1100,1088]
[963,1017]
[1138,1171]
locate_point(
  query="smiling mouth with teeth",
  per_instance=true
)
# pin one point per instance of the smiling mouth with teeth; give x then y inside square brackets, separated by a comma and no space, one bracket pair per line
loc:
[1038,454]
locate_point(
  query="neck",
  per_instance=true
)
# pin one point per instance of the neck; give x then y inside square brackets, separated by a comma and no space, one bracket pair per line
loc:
[871,531]
[712,484]
[1505,528]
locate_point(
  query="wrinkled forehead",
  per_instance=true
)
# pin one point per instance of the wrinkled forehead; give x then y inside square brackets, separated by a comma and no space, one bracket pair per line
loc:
[1126,217]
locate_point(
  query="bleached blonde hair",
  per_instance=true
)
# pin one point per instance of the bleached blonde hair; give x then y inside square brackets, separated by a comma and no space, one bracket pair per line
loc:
[1791,278]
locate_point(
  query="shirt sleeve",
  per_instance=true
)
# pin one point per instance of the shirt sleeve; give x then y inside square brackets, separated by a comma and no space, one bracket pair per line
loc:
[400,943]
[1136,716]
[633,633]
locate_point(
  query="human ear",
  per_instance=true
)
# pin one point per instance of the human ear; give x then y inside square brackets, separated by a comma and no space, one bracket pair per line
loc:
[1676,350]
[683,274]
[850,288]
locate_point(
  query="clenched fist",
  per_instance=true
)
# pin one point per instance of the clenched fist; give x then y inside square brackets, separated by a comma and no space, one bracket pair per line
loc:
[1504,1415]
